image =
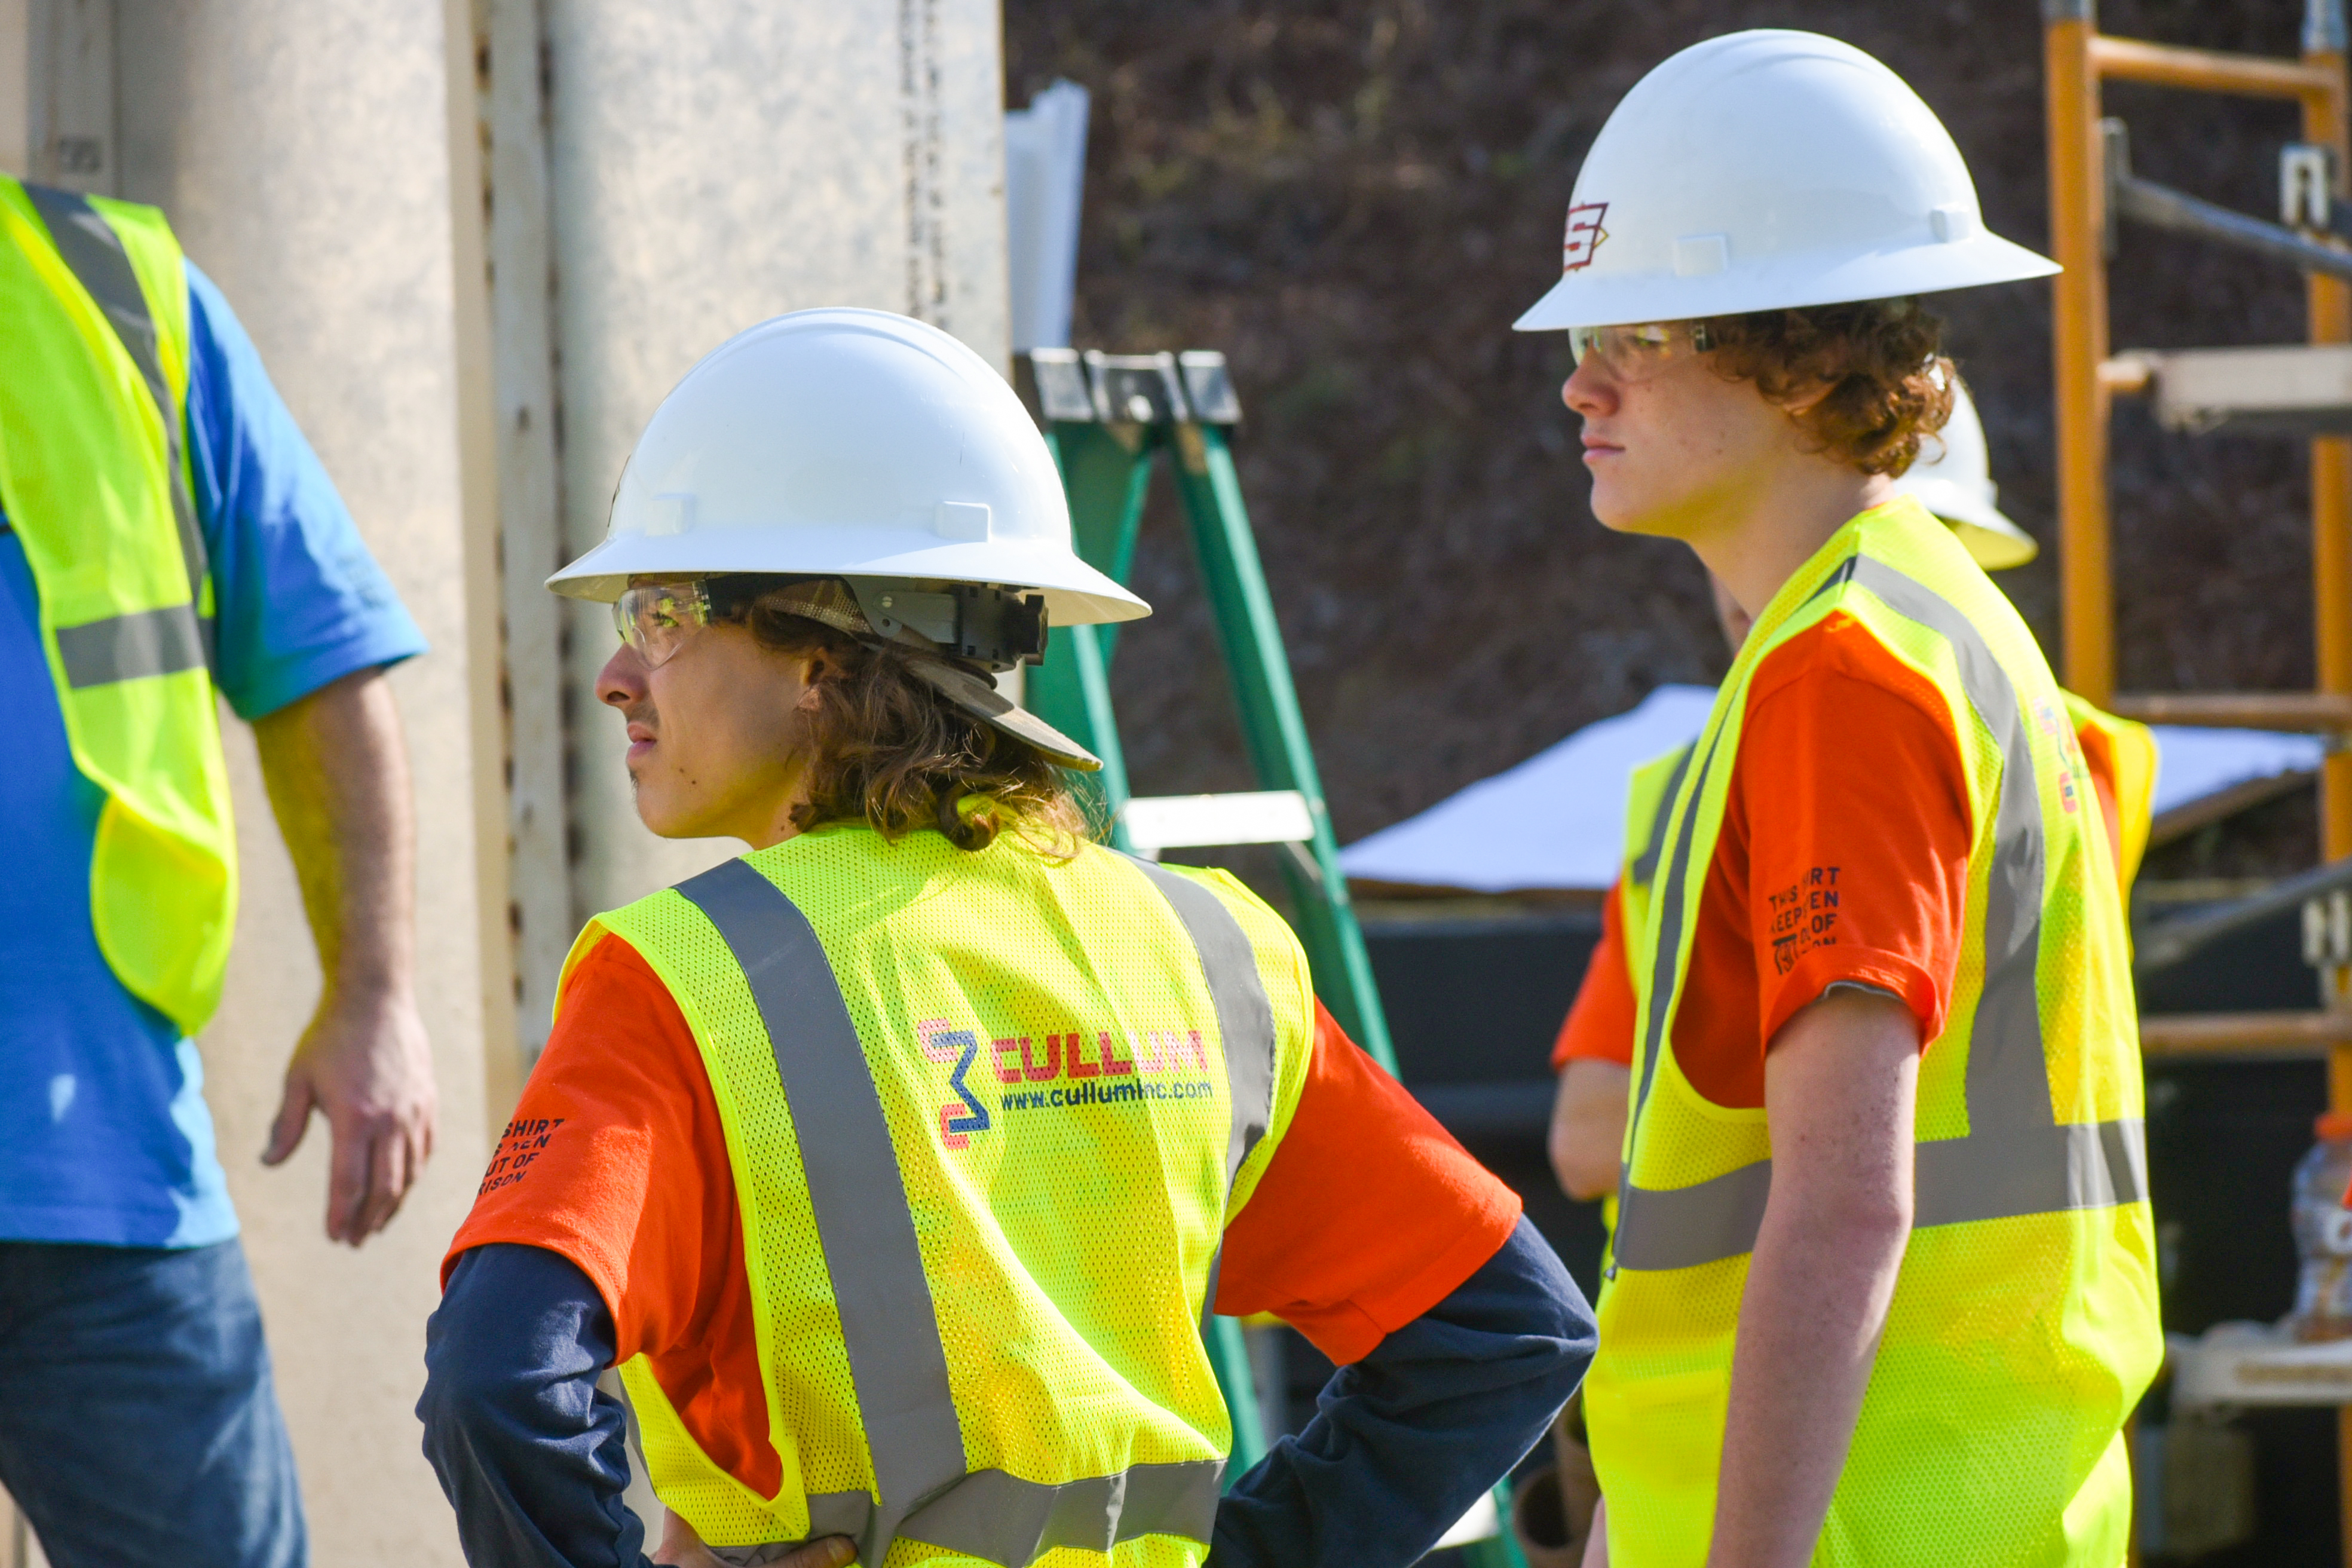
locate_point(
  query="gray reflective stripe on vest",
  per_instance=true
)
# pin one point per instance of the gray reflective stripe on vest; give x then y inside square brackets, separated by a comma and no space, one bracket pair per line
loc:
[2016,1159]
[1244,1027]
[93,252]
[123,648]
[1004,1519]
[1644,868]
[866,1227]
[1009,1520]
[1245,1017]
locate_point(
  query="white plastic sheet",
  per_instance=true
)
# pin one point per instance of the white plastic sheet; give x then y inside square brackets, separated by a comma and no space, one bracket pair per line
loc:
[1556,821]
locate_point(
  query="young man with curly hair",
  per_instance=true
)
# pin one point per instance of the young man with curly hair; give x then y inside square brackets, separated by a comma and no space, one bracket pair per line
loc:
[1882,1289]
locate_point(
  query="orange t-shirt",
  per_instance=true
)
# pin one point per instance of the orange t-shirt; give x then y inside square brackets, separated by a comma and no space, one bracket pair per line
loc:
[1600,1021]
[1844,856]
[1912,740]
[1367,1215]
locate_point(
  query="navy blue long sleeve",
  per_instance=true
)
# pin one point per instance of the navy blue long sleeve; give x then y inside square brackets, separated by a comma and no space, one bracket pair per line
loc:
[1405,1440]
[532,1455]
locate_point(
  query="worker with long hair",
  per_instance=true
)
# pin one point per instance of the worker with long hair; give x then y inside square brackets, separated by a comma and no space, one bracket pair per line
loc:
[894,1165]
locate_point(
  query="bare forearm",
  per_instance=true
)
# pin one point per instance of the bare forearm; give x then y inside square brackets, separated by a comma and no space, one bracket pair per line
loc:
[338,781]
[338,778]
[1839,1087]
[1588,1128]
[1808,1328]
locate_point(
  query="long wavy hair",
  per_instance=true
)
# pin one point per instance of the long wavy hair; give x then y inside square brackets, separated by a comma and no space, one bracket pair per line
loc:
[886,749]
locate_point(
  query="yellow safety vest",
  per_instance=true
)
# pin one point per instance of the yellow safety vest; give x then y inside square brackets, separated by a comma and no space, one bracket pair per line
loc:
[93,390]
[2132,746]
[1655,783]
[1037,1091]
[2023,1327]
[1652,784]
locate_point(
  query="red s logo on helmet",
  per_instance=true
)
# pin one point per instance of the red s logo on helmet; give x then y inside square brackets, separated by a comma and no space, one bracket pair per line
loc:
[1584,235]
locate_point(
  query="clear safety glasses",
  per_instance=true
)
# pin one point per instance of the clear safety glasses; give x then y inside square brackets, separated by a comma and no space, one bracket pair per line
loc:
[1639,352]
[655,618]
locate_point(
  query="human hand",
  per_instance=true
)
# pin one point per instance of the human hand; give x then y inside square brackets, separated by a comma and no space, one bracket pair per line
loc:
[682,1548]
[365,1064]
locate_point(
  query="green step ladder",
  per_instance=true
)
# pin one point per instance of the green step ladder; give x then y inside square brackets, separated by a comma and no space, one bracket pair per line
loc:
[1106,418]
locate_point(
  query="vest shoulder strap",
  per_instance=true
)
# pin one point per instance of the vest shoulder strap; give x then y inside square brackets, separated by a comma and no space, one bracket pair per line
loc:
[96,256]
[1244,1016]
[1644,866]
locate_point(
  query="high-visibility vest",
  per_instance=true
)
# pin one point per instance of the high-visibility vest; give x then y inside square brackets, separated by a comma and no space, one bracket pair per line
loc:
[1652,784]
[93,480]
[987,1115]
[2023,1327]
[2130,753]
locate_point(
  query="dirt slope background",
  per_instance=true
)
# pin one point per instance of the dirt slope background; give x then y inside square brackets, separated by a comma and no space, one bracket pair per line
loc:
[1355,200]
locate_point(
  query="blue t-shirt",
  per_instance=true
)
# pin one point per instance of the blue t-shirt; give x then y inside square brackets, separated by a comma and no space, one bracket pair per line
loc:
[104,1136]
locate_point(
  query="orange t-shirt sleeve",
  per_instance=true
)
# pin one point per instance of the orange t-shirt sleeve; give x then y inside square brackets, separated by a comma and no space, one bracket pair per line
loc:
[1859,827]
[2099,756]
[615,1157]
[1600,1023]
[1368,1214]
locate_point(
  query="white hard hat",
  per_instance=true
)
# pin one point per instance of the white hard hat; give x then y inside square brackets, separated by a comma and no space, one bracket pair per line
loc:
[847,442]
[1957,487]
[1764,170]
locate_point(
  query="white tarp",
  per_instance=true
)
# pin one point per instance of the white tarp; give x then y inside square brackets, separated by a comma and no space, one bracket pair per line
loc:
[1558,820]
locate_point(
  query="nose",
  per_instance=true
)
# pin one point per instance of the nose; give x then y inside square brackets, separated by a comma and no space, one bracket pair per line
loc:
[622,681]
[1588,390]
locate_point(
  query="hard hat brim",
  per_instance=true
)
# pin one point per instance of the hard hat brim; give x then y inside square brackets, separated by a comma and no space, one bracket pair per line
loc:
[1075,593]
[982,700]
[1582,299]
[1993,542]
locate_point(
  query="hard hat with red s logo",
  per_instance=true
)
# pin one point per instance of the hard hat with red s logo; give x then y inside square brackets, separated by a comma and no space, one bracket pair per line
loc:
[1768,170]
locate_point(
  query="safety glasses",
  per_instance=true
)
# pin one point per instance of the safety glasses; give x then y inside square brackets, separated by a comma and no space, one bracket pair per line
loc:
[1639,352]
[655,618]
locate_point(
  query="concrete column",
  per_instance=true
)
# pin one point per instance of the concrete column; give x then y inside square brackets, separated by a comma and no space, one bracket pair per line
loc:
[715,162]
[303,152]
[476,243]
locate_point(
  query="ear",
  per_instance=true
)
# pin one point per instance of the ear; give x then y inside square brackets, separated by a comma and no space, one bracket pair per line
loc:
[1804,400]
[815,671]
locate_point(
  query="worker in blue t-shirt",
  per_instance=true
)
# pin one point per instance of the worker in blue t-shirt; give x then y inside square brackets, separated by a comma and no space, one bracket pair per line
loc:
[141,1425]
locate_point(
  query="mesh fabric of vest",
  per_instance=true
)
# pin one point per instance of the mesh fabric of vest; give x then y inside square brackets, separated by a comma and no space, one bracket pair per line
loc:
[1068,1246]
[2015,1346]
[84,479]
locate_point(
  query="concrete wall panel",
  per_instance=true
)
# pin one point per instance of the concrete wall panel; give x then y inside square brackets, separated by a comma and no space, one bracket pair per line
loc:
[303,151]
[715,164]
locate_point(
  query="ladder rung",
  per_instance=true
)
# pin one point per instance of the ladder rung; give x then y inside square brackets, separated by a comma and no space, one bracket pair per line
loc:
[2210,70]
[2243,1034]
[1154,823]
[2289,389]
[2310,711]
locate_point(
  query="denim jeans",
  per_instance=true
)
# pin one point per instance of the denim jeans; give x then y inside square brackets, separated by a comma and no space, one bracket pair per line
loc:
[138,1424]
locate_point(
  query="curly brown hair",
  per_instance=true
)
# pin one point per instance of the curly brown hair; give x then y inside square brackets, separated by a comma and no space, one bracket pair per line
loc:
[884,746]
[1883,361]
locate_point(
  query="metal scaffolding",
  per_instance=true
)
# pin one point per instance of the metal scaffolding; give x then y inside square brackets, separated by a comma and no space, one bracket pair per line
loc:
[2091,187]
